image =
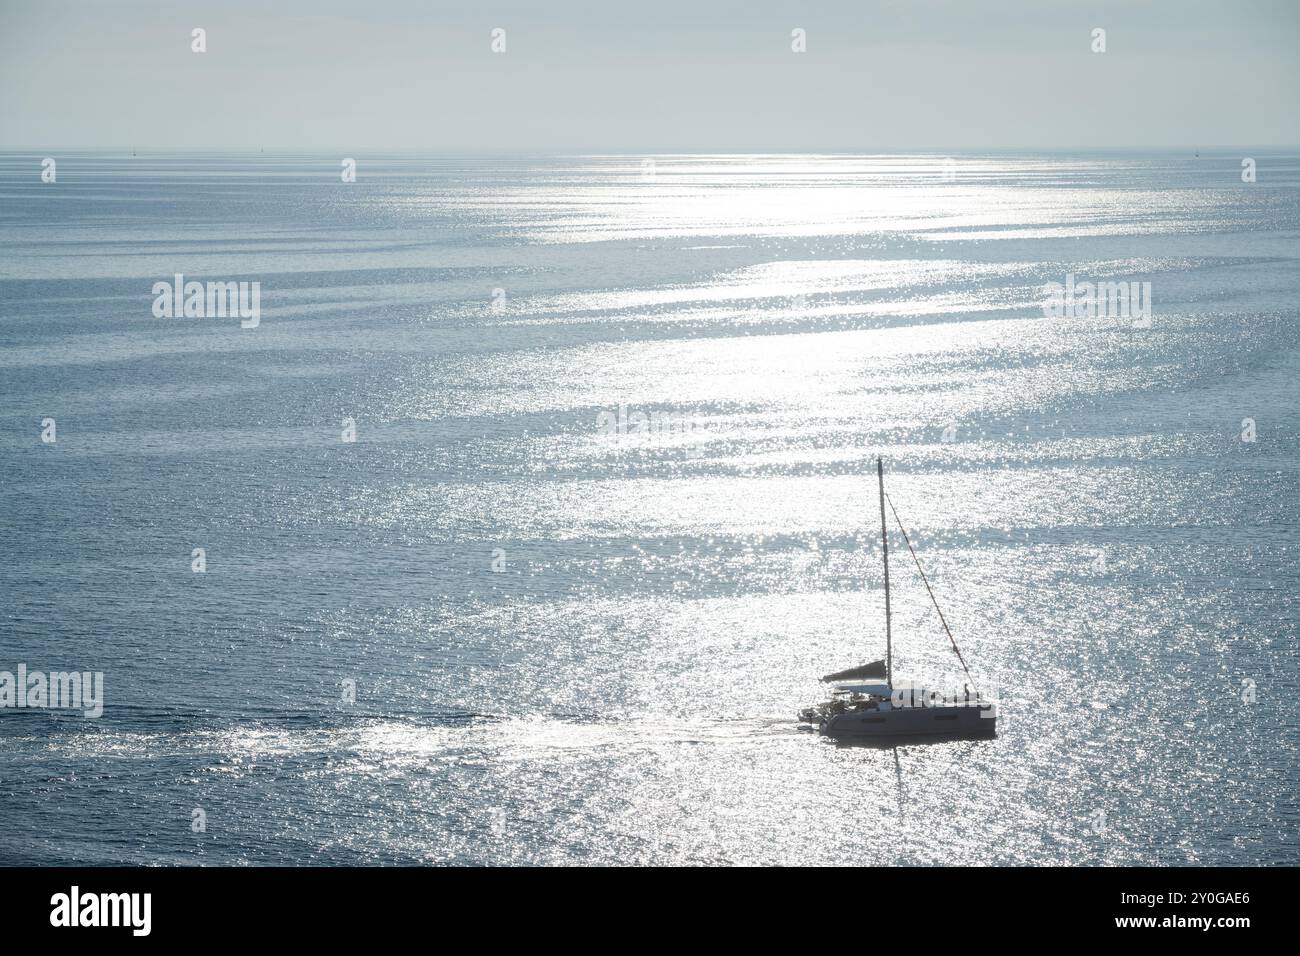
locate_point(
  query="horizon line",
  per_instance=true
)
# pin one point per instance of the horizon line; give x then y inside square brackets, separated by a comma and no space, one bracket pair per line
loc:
[663,151]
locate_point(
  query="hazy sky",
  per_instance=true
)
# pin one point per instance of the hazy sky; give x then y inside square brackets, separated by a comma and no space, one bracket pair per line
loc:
[659,75]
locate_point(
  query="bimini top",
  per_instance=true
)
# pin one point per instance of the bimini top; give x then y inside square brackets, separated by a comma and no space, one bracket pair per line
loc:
[908,691]
[874,690]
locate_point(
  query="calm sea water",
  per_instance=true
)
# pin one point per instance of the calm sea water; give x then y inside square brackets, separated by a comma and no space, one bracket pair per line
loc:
[577,646]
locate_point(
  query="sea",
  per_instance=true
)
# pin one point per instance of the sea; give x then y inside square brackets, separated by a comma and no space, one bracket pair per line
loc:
[523,507]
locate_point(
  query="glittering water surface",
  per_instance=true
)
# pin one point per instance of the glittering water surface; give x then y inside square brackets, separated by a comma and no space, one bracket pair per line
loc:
[1114,559]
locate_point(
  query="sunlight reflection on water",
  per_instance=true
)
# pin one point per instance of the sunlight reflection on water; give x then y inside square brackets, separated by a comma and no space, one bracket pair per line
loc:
[1113,558]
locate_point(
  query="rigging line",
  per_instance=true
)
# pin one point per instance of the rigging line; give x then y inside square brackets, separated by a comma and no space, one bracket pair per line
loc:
[933,600]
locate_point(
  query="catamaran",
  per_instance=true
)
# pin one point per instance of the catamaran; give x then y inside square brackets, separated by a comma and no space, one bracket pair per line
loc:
[883,710]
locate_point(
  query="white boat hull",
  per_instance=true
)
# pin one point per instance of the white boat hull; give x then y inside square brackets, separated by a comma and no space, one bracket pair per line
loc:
[914,722]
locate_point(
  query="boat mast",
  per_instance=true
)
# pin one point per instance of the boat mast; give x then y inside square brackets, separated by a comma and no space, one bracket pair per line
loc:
[884,541]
